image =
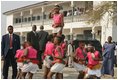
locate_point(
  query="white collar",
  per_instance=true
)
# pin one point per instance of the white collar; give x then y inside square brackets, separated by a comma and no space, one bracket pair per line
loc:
[10,34]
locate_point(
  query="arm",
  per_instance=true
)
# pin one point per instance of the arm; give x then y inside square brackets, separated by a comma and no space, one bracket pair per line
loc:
[18,42]
[28,37]
[62,20]
[60,54]
[25,52]
[2,46]
[51,14]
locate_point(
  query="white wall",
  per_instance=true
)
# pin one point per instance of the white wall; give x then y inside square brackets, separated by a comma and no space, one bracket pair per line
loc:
[9,21]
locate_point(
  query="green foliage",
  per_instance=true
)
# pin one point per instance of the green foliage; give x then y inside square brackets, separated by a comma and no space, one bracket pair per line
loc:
[96,14]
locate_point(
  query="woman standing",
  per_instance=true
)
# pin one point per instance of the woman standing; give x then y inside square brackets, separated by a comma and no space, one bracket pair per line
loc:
[108,58]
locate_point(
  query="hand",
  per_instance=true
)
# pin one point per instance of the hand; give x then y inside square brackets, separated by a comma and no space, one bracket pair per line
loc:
[2,58]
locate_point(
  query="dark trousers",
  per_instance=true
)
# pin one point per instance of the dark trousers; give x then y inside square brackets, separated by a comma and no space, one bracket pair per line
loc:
[9,60]
[40,53]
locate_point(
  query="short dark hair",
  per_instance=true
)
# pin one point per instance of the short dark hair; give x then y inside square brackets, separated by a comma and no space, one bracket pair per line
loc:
[34,26]
[59,39]
[63,37]
[50,37]
[10,26]
[41,27]
[91,44]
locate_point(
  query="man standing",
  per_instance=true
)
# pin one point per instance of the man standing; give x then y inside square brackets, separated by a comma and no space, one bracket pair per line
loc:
[10,43]
[42,43]
[32,37]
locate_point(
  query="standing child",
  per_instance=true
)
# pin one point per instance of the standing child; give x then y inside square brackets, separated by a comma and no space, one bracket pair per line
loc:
[58,62]
[30,63]
[94,66]
[58,21]
[48,56]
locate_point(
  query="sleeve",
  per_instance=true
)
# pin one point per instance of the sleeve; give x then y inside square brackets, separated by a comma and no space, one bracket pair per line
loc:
[28,37]
[18,42]
[2,46]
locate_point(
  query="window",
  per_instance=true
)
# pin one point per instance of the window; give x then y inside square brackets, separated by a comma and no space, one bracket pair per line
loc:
[19,20]
[44,16]
[16,20]
[29,18]
[88,34]
[65,13]
[25,19]
[38,17]
[33,18]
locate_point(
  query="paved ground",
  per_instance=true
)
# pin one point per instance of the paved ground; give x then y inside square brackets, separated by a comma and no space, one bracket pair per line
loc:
[69,73]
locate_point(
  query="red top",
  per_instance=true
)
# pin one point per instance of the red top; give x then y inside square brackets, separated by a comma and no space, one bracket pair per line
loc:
[56,54]
[32,53]
[49,49]
[57,18]
[79,53]
[19,53]
[90,60]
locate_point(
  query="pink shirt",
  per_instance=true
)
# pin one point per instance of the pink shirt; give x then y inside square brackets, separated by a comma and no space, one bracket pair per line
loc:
[56,54]
[19,53]
[57,18]
[79,53]
[49,49]
[90,60]
[32,53]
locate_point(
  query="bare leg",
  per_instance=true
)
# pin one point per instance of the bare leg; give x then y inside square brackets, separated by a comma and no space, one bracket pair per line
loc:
[81,75]
[50,74]
[46,71]
[60,75]
[30,75]
[23,75]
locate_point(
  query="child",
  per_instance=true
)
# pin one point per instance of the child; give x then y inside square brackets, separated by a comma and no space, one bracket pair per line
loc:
[79,60]
[19,56]
[58,60]
[94,66]
[30,63]
[48,56]
[58,20]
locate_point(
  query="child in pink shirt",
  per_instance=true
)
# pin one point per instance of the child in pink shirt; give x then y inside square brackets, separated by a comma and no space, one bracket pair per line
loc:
[20,59]
[30,62]
[58,21]
[80,59]
[94,67]
[58,60]
[48,53]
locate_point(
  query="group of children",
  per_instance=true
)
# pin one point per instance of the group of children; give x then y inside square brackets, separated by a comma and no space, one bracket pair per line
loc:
[54,59]
[87,61]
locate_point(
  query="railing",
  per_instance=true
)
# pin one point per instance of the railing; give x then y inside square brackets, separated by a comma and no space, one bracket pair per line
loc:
[67,19]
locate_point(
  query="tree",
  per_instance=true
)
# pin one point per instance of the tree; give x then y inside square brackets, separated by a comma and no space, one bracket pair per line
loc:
[96,14]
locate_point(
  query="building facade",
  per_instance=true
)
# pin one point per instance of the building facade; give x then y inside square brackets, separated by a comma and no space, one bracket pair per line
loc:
[74,18]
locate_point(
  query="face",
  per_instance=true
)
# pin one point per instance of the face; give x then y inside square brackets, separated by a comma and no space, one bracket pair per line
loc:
[56,10]
[27,44]
[90,47]
[10,30]
[34,28]
[109,39]
[55,40]
[82,45]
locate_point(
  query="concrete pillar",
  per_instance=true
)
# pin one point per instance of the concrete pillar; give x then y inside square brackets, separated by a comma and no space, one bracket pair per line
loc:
[43,10]
[21,15]
[31,14]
